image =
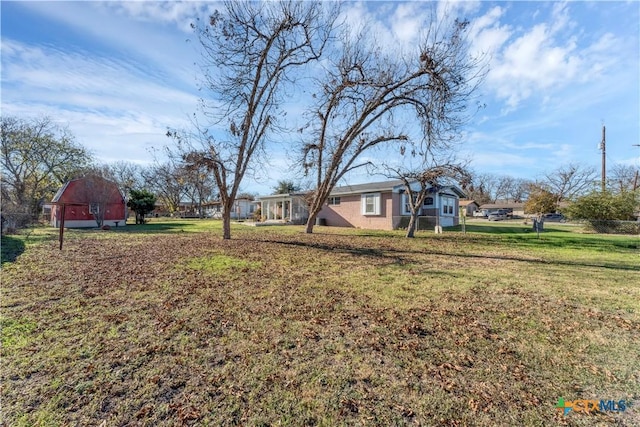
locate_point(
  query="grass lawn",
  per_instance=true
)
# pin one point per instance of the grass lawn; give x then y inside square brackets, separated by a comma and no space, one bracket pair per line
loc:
[167,324]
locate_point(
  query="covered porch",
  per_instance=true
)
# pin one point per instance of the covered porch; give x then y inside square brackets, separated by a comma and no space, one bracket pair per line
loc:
[290,208]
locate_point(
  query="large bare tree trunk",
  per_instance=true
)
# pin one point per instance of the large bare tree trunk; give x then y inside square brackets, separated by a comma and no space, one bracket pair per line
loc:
[364,90]
[252,52]
[411,228]
[309,227]
[315,206]
[227,208]
[226,225]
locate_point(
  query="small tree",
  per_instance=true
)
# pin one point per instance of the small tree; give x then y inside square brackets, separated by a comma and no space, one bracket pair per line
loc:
[418,182]
[141,202]
[285,187]
[540,201]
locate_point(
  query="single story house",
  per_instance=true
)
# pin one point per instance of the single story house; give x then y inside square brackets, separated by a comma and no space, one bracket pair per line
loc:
[377,205]
[87,199]
[384,206]
[243,208]
[516,208]
[468,207]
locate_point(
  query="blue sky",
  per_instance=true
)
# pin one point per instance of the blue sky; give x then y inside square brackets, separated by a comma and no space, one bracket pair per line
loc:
[119,73]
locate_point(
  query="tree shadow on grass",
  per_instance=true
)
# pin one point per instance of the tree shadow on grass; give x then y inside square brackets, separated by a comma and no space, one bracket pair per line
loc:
[399,256]
[149,228]
[11,248]
[388,254]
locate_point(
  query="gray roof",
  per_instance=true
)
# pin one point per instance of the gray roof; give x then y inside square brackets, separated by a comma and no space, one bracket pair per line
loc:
[504,205]
[370,187]
[366,188]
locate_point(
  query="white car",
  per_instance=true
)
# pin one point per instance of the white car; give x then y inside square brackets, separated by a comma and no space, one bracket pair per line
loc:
[498,215]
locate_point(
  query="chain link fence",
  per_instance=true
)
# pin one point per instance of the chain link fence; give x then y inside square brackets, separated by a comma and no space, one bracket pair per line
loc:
[612,227]
[424,222]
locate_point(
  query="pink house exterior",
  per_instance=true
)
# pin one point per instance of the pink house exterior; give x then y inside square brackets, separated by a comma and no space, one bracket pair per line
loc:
[375,206]
[383,206]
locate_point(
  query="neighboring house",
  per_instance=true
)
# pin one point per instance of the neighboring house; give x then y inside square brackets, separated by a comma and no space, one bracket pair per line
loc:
[516,208]
[243,208]
[468,207]
[86,198]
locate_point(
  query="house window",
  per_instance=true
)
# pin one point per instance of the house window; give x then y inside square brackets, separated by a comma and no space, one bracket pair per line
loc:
[447,205]
[371,204]
[406,208]
[94,208]
[334,200]
[428,201]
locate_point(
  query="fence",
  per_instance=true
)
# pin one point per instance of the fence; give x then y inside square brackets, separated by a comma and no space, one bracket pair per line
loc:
[424,222]
[612,227]
[12,221]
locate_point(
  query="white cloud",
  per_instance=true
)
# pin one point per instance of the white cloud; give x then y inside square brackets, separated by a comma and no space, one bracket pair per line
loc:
[486,34]
[407,21]
[490,160]
[178,13]
[541,60]
[451,9]
[146,40]
[114,107]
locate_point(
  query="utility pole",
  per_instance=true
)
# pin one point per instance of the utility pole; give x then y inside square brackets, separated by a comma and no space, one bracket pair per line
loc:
[635,181]
[604,166]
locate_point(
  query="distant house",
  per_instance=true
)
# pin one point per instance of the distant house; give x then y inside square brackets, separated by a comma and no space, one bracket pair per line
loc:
[468,207]
[88,201]
[243,208]
[378,205]
[515,208]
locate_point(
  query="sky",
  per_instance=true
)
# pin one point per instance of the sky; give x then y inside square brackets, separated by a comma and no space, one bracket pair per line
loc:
[118,74]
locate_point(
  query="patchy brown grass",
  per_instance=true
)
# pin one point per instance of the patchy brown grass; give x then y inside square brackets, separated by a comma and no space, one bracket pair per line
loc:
[276,327]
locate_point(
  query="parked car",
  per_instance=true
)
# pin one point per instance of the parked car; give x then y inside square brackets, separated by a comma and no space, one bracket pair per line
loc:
[553,217]
[482,213]
[498,215]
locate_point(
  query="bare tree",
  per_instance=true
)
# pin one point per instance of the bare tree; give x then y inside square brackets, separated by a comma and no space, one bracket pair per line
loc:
[251,53]
[482,188]
[199,186]
[37,156]
[417,183]
[623,178]
[167,180]
[570,181]
[127,175]
[520,190]
[366,90]
[504,186]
